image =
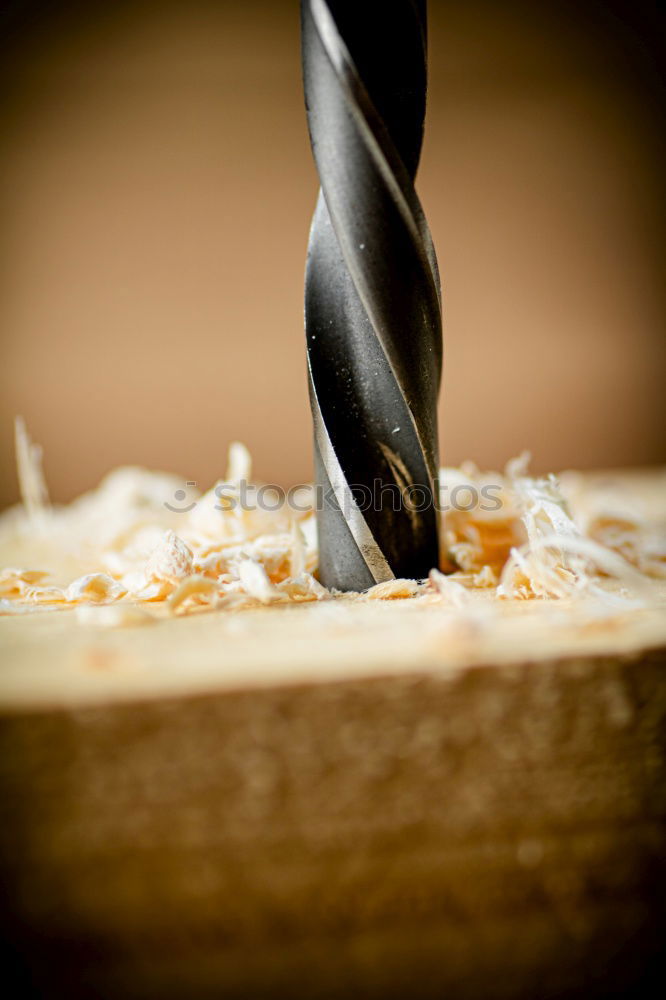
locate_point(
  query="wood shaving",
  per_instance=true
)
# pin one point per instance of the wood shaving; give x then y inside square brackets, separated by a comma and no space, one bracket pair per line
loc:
[392,590]
[129,545]
[453,592]
[94,587]
[239,464]
[485,578]
[193,587]
[170,560]
[32,484]
[45,595]
[15,582]
[297,558]
[304,588]
[256,582]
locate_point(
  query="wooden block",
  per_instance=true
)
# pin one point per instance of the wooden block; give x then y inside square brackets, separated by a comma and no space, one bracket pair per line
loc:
[363,799]
[487,830]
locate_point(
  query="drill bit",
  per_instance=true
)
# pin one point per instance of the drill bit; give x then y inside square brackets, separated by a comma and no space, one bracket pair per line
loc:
[372,297]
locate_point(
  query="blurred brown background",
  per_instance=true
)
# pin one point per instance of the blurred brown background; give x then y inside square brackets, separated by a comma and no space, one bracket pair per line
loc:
[156,192]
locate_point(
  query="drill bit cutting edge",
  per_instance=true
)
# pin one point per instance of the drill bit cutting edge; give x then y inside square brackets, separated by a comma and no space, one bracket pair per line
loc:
[372,298]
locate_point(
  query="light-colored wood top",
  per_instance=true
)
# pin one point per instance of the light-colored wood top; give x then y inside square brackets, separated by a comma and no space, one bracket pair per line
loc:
[51,658]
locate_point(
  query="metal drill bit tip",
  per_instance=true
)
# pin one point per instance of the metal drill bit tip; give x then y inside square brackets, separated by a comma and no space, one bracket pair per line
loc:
[372,300]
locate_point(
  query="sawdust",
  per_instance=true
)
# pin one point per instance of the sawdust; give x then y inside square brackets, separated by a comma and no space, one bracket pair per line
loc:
[537,539]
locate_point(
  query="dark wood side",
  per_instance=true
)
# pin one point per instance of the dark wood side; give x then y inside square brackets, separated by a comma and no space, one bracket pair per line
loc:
[498,833]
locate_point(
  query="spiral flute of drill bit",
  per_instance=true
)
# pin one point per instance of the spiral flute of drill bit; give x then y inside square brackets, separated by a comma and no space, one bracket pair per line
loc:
[372,299]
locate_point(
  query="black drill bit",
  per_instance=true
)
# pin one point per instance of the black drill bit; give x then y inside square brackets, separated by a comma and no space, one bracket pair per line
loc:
[372,298]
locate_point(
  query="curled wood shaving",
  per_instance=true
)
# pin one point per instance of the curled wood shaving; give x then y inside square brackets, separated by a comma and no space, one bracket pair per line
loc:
[193,587]
[304,588]
[453,592]
[392,590]
[15,582]
[94,587]
[170,560]
[256,582]
[45,595]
